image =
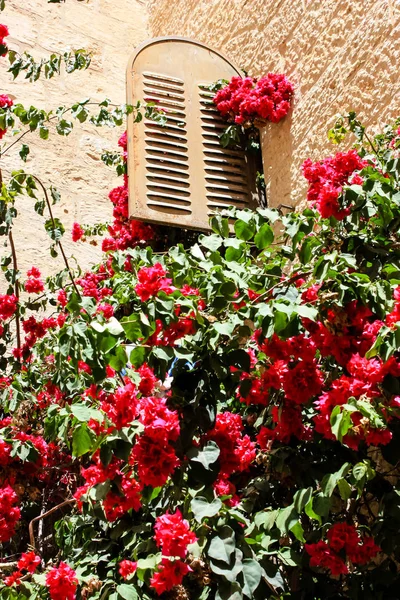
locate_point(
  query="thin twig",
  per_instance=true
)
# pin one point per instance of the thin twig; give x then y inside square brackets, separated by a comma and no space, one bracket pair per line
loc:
[16,283]
[51,119]
[54,228]
[46,514]
[286,282]
[8,565]
[16,289]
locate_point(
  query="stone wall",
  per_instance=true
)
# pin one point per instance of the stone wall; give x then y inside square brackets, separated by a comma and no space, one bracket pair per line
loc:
[110,29]
[341,54]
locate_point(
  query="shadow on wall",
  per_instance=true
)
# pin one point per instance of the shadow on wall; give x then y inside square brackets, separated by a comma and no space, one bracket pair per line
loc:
[278,165]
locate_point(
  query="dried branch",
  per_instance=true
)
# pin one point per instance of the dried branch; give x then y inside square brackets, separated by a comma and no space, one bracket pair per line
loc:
[43,516]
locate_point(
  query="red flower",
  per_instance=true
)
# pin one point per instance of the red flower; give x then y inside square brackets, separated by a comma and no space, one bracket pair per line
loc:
[62,582]
[34,285]
[5,101]
[327,179]
[3,32]
[122,407]
[8,306]
[155,461]
[9,513]
[127,568]
[247,99]
[169,575]
[161,423]
[322,556]
[29,561]
[77,232]
[173,534]
[151,281]
[147,380]
[106,309]
[342,535]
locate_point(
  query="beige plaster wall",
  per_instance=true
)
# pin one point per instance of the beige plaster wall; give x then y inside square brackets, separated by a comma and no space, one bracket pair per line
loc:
[341,54]
[111,29]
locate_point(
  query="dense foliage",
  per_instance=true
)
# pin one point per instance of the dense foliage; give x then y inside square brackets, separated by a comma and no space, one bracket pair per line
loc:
[218,419]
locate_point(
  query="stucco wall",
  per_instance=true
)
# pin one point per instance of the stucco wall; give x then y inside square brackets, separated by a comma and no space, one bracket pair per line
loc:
[111,29]
[341,54]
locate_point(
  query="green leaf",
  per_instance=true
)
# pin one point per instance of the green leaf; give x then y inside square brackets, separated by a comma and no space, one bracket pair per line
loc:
[84,413]
[207,456]
[301,498]
[222,546]
[286,518]
[128,592]
[202,508]
[24,152]
[132,327]
[341,422]
[55,229]
[82,440]
[252,573]
[137,356]
[298,531]
[150,562]
[243,230]
[330,481]
[264,237]
[308,509]
[359,471]
[344,489]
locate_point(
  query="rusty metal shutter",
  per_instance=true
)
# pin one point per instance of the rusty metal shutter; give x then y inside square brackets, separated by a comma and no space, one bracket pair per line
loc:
[179,173]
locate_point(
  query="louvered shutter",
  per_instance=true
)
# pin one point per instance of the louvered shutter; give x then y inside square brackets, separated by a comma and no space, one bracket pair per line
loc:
[179,173]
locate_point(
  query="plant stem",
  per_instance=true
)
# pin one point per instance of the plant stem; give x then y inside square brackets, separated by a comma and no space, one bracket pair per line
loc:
[49,512]
[54,227]
[16,283]
[16,289]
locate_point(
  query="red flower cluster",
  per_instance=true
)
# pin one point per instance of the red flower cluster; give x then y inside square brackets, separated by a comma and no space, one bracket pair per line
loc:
[173,332]
[115,504]
[77,232]
[169,574]
[173,534]
[151,281]
[3,34]
[153,453]
[292,369]
[9,513]
[28,562]
[125,233]
[5,101]
[327,178]
[344,538]
[8,306]
[62,582]
[34,285]
[244,100]
[122,406]
[237,452]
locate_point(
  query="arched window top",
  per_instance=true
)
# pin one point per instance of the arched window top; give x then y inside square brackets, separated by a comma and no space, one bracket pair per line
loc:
[178,172]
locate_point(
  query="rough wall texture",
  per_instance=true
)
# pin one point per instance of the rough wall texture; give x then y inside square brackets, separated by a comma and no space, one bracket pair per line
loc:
[342,55]
[111,29]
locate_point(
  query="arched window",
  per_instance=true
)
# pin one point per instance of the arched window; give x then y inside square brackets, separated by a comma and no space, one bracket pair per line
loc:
[178,172]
